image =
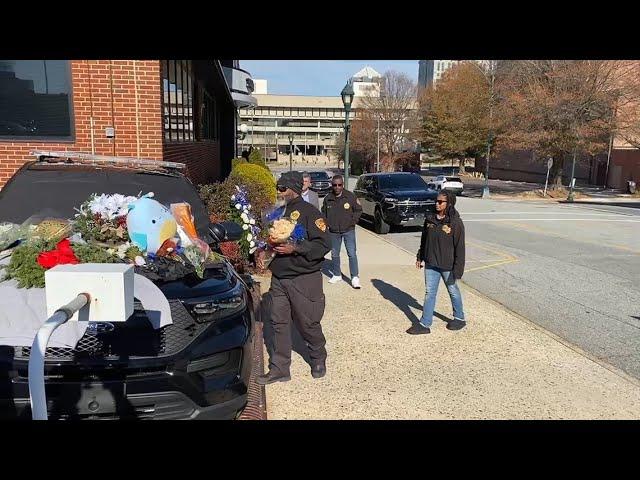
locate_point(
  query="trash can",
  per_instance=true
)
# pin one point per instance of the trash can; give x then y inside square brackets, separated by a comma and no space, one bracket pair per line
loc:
[631,186]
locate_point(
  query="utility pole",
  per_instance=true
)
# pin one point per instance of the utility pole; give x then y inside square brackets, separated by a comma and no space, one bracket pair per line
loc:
[378,156]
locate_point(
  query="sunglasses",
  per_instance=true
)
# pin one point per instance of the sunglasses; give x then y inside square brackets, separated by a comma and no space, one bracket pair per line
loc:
[282,189]
[336,184]
[441,201]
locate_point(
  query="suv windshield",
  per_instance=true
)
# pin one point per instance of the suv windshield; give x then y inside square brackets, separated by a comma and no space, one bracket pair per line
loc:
[41,192]
[453,179]
[400,182]
[319,176]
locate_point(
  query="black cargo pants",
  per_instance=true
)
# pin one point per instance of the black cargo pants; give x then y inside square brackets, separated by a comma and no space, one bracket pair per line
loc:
[302,301]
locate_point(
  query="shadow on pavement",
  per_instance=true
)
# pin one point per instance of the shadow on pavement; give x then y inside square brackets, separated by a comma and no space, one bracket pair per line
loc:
[298,344]
[402,300]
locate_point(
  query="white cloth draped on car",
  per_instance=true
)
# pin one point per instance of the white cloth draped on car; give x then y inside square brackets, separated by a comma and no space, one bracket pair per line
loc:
[24,310]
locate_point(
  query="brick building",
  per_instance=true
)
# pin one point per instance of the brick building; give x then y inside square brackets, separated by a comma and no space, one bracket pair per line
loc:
[175,110]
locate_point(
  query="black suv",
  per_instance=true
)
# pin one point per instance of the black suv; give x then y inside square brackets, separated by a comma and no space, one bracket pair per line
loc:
[320,182]
[197,367]
[400,199]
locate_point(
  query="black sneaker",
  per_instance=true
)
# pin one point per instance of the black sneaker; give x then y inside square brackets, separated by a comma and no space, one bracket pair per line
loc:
[418,329]
[456,324]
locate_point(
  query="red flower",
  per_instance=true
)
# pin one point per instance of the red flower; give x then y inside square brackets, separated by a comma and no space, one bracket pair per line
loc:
[61,255]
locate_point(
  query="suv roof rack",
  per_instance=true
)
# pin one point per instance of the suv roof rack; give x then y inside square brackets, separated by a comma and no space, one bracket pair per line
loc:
[91,159]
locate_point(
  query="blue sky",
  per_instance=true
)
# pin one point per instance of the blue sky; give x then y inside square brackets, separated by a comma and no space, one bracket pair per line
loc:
[318,77]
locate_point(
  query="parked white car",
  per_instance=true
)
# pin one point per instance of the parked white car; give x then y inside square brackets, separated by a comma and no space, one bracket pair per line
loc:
[443,182]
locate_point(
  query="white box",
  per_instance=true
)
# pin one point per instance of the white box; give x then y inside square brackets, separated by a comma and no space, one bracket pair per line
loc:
[110,286]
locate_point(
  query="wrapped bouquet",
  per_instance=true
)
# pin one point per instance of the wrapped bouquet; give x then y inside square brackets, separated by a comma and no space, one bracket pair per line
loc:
[281,230]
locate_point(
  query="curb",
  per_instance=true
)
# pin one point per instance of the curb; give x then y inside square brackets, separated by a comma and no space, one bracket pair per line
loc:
[256,408]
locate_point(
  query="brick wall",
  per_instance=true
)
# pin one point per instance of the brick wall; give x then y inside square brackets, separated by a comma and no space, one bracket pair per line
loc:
[106,90]
[202,159]
[625,165]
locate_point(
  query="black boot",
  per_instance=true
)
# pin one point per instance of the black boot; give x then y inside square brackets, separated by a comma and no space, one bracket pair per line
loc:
[319,370]
[271,377]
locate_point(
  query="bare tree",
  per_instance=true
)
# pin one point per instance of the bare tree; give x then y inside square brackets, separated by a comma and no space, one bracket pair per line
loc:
[455,116]
[391,114]
[560,108]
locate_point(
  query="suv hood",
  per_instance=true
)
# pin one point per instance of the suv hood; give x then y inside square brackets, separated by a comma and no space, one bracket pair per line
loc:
[217,279]
[417,195]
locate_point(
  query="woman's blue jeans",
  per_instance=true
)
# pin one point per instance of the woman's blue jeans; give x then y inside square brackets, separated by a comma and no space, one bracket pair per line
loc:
[432,277]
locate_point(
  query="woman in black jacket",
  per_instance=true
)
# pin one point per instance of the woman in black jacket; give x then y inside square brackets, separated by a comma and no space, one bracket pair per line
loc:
[442,253]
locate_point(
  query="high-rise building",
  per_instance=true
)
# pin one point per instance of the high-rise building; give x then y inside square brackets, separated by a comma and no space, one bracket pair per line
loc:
[430,71]
[366,83]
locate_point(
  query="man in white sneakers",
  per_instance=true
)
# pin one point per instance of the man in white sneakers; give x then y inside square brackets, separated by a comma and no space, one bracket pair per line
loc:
[342,211]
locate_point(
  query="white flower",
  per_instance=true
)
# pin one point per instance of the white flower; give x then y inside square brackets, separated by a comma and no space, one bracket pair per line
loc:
[122,249]
[233,198]
[249,207]
[253,249]
[238,206]
[252,222]
[245,227]
[244,218]
[110,206]
[252,244]
[249,237]
[140,261]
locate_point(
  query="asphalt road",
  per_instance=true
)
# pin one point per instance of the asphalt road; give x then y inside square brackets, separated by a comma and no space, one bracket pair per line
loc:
[572,269]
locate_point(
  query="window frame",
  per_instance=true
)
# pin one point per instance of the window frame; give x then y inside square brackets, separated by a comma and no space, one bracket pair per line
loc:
[71,138]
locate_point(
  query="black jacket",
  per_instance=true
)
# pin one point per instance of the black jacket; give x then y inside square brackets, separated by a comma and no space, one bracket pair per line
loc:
[309,253]
[342,212]
[442,242]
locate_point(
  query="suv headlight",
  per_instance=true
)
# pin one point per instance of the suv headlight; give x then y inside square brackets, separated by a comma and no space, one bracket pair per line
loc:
[219,306]
[391,200]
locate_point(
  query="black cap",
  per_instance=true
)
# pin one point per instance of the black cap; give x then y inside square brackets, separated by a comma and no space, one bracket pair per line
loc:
[292,180]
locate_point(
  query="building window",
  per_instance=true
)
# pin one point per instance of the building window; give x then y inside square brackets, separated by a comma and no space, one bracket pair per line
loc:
[209,124]
[177,100]
[35,99]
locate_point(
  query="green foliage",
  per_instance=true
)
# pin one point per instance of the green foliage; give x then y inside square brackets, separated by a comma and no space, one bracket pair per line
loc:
[237,161]
[259,183]
[24,267]
[89,253]
[255,158]
[217,198]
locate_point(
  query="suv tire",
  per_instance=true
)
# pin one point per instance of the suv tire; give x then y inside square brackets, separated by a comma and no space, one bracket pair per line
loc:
[379,225]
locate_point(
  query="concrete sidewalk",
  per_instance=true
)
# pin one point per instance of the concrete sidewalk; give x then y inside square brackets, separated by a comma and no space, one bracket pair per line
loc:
[500,367]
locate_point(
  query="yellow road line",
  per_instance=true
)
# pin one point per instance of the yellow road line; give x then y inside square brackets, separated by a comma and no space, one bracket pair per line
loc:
[496,252]
[491,265]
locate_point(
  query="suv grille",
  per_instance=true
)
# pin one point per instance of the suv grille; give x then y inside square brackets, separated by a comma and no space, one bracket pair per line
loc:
[134,342]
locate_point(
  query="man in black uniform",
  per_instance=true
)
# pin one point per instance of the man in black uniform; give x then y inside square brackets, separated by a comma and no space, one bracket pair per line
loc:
[342,210]
[296,285]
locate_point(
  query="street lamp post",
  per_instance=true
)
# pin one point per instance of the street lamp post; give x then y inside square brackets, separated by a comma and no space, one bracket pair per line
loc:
[485,189]
[573,178]
[378,153]
[290,152]
[347,99]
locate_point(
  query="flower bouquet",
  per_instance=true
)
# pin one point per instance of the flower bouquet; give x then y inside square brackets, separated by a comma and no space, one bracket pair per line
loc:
[281,230]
